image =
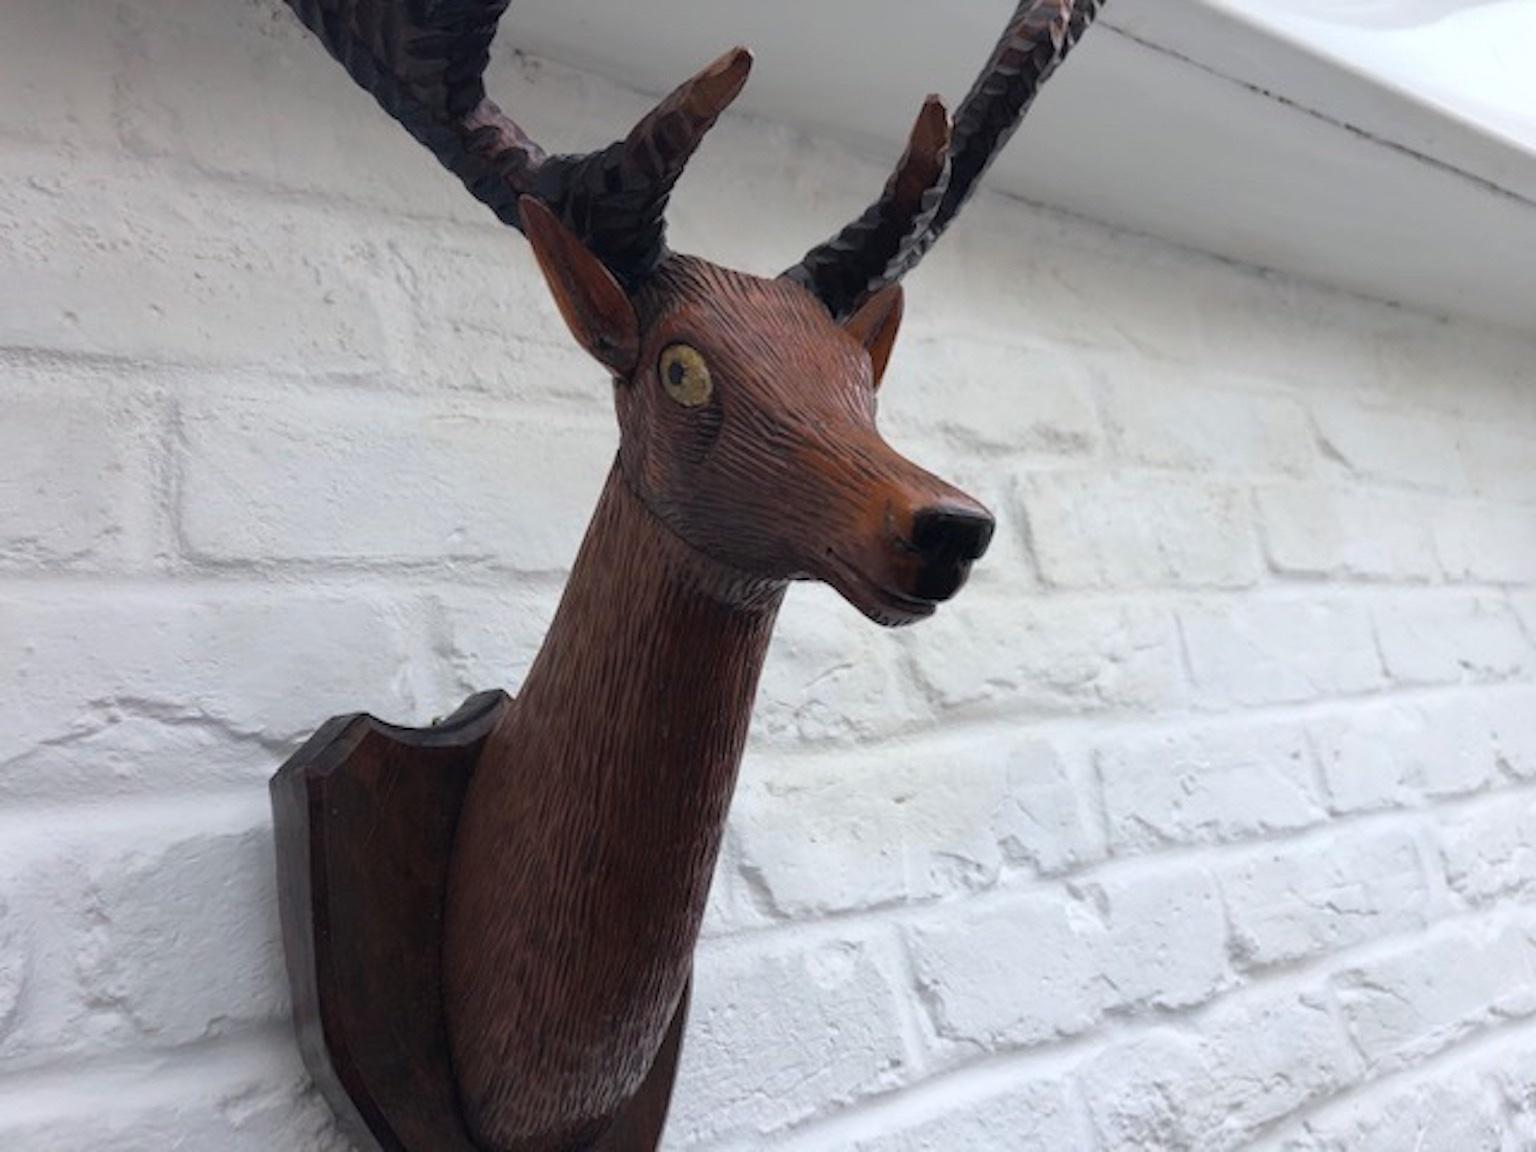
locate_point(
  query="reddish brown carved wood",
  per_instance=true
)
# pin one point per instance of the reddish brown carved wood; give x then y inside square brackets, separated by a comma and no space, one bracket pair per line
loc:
[491,923]
[365,815]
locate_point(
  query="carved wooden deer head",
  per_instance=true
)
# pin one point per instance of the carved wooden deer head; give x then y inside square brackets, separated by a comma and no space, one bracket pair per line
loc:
[747,419]
[746,404]
[748,458]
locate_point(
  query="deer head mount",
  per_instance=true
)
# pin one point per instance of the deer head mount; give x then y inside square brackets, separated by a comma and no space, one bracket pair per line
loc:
[582,851]
[746,405]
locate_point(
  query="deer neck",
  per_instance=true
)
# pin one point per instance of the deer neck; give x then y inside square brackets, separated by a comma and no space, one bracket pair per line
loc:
[647,676]
[665,627]
[592,825]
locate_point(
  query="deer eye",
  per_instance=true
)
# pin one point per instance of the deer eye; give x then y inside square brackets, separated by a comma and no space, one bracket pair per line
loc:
[685,376]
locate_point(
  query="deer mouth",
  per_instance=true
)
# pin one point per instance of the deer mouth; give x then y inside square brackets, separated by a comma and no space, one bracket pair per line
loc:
[898,608]
[909,574]
[882,604]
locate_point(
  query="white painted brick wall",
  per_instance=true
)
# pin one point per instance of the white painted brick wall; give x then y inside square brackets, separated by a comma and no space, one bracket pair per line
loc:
[1206,819]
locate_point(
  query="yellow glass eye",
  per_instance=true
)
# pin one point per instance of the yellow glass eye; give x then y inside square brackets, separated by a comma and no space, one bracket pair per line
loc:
[685,376]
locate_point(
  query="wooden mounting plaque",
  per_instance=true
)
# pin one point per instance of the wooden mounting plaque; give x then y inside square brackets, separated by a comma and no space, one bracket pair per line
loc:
[365,814]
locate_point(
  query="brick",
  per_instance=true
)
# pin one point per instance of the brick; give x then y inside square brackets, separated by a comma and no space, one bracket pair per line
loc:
[1165,938]
[1490,850]
[1397,447]
[186,272]
[1292,901]
[1325,342]
[1280,651]
[1009,976]
[1483,541]
[78,475]
[184,80]
[1207,784]
[1159,421]
[153,928]
[1498,459]
[1513,1073]
[1273,1053]
[1122,280]
[1420,358]
[485,325]
[270,664]
[1034,1116]
[851,832]
[488,638]
[332,481]
[1525,607]
[1512,718]
[1321,530]
[1456,750]
[215,896]
[1257,1058]
[1044,823]
[1443,640]
[1090,531]
[1154,1091]
[1454,1112]
[245,1097]
[776,1036]
[1418,1001]
[1376,757]
[1068,265]
[37,105]
[124,749]
[1050,410]
[831,676]
[483,320]
[15,946]
[1046,657]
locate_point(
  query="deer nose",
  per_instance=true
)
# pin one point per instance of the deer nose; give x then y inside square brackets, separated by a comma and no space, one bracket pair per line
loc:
[951,533]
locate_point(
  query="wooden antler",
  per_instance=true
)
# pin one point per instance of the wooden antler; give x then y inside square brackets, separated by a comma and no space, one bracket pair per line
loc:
[878,247]
[424,61]
[860,260]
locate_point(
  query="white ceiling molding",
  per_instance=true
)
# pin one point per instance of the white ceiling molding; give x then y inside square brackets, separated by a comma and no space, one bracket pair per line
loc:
[1182,119]
[1472,60]
[1363,13]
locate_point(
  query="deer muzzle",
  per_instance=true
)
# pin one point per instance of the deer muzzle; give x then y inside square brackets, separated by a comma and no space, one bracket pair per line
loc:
[913,545]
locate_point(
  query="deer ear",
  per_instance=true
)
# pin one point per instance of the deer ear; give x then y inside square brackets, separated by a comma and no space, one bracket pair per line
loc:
[595,307]
[875,326]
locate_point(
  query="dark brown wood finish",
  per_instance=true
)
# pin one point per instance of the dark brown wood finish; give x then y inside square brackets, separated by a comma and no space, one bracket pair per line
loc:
[896,232]
[365,815]
[587,845]
[490,923]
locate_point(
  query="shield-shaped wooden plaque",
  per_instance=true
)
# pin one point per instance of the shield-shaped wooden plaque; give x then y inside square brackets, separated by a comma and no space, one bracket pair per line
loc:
[365,814]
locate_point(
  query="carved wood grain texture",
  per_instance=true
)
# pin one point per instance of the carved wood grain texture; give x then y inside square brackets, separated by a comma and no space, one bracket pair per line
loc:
[591,831]
[568,894]
[491,923]
[424,62]
[365,817]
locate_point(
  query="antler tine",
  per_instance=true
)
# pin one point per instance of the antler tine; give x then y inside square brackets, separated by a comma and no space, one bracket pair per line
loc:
[1032,47]
[424,61]
[877,248]
[1037,39]
[616,199]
